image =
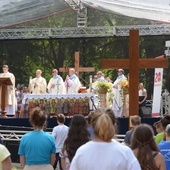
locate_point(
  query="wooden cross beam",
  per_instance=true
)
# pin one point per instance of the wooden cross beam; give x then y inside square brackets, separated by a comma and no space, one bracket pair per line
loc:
[134,63]
[77,66]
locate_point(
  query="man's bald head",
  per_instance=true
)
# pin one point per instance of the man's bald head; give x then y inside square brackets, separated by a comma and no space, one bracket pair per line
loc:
[55,72]
[71,71]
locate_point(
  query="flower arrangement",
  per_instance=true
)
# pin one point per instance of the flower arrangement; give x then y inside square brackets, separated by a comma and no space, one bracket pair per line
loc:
[104,87]
[124,84]
[105,93]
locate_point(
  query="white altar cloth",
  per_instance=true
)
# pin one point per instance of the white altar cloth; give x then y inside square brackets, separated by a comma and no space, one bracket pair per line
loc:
[54,96]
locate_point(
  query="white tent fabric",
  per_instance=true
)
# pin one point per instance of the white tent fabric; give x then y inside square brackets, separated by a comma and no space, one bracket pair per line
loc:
[157,10]
[14,12]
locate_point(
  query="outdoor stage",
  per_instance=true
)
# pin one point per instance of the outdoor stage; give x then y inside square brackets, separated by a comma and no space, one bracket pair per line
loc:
[123,123]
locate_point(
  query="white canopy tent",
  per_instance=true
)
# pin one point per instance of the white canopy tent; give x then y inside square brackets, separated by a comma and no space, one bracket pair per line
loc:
[14,12]
[157,10]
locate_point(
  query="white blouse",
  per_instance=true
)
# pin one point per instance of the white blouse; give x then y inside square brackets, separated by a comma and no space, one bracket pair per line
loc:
[142,92]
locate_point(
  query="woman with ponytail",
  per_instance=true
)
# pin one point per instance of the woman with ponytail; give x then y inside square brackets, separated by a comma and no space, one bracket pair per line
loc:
[104,153]
[145,148]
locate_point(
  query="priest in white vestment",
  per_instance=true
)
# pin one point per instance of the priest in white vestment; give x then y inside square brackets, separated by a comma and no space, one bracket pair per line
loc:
[38,85]
[56,84]
[72,82]
[118,94]
[11,99]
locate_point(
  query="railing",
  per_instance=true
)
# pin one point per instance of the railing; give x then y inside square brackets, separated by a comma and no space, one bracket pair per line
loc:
[11,135]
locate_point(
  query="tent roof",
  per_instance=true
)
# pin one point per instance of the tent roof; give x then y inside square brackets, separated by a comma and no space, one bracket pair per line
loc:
[15,12]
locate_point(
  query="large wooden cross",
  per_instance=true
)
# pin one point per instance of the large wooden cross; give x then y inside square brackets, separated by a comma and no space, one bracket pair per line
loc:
[77,66]
[134,63]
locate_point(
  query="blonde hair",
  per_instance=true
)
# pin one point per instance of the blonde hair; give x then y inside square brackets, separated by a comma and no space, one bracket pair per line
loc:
[136,120]
[39,71]
[102,126]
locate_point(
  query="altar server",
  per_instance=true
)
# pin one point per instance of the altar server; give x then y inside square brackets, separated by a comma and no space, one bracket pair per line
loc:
[56,84]
[38,85]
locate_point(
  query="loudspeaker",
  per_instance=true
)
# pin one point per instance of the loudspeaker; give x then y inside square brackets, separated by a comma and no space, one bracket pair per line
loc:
[13,149]
[146,111]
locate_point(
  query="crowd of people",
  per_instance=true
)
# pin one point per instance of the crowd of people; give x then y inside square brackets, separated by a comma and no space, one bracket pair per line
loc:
[91,144]
[71,85]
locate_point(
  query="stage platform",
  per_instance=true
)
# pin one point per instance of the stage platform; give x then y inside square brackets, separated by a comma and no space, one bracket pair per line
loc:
[123,123]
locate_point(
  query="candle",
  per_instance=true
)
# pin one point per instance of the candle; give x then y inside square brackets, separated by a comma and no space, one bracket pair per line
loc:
[90,77]
[30,79]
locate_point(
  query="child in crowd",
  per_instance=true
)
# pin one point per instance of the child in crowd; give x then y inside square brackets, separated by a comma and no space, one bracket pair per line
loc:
[135,121]
[60,134]
[160,132]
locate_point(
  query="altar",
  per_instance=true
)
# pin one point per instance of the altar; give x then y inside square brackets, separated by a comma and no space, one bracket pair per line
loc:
[68,104]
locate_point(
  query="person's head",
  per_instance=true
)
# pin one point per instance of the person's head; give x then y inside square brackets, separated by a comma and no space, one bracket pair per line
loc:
[95,78]
[60,118]
[141,87]
[165,121]
[5,68]
[77,135]
[78,120]
[158,126]
[18,86]
[99,74]
[120,72]
[102,126]
[135,120]
[25,89]
[167,131]
[143,142]
[55,72]
[71,71]
[37,118]
[38,73]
